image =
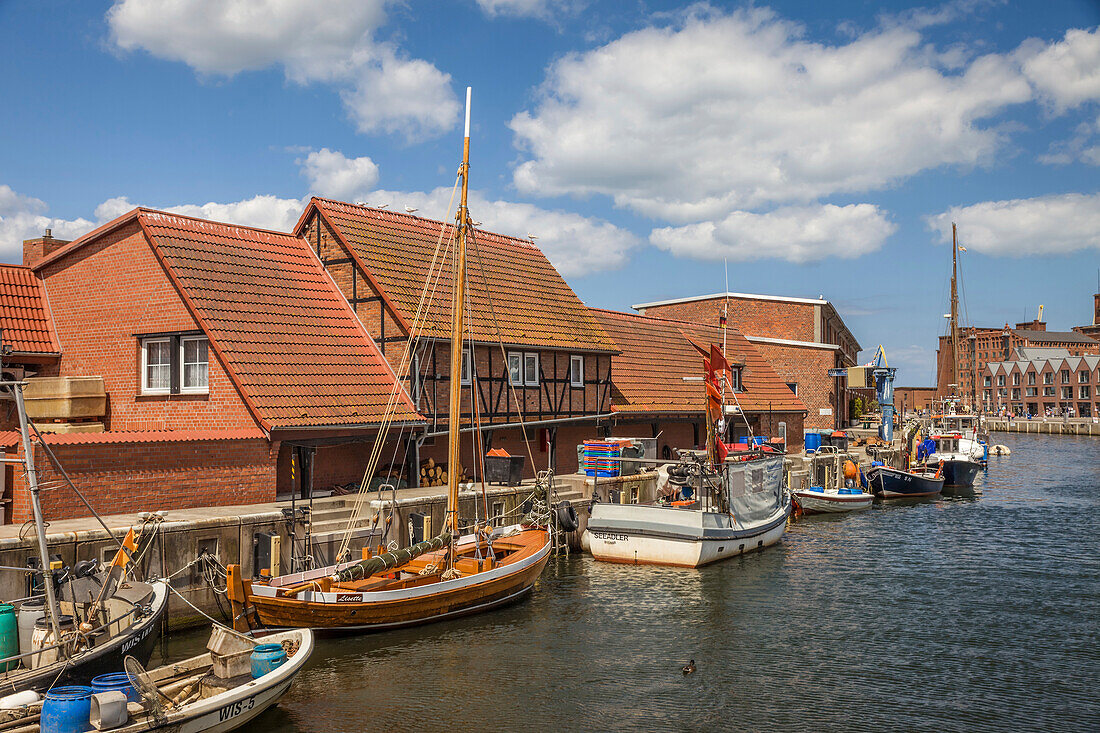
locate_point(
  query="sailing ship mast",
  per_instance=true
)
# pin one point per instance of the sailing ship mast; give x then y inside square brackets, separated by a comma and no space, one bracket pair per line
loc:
[462,220]
[954,306]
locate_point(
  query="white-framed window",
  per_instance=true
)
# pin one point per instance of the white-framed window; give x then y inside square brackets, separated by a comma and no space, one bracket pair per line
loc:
[515,368]
[195,362]
[175,364]
[793,387]
[156,366]
[735,379]
[531,370]
[467,367]
[576,371]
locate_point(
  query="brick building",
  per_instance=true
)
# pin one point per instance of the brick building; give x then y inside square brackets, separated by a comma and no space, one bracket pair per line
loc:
[657,388]
[801,338]
[532,351]
[1037,380]
[978,347]
[908,399]
[1093,329]
[222,350]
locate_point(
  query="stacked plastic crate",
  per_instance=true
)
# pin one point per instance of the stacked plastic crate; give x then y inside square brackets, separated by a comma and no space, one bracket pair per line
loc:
[602,458]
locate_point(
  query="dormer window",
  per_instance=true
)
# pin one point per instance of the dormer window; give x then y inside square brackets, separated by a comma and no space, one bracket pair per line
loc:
[174,364]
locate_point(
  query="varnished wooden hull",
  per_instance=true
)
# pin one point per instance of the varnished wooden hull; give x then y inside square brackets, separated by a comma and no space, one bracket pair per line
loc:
[390,609]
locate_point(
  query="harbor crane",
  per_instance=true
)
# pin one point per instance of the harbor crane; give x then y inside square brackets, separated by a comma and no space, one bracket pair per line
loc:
[884,392]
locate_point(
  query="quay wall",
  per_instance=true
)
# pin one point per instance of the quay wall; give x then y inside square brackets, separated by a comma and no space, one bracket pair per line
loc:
[1041,427]
[231,534]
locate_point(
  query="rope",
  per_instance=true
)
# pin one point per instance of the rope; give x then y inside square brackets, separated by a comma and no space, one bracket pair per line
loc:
[383,432]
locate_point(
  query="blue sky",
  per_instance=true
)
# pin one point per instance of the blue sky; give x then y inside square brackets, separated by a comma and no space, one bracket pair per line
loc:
[817,148]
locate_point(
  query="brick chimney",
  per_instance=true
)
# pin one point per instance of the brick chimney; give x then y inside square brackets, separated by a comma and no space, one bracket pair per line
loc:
[1035,325]
[36,250]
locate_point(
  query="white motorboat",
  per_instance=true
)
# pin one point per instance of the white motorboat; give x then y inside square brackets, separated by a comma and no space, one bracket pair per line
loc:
[821,500]
[210,693]
[742,508]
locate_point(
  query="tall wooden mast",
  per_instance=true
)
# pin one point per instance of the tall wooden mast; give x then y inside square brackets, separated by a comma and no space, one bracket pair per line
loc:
[955,307]
[458,305]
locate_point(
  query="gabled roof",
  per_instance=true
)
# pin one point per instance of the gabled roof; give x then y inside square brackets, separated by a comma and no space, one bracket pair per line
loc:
[512,286]
[283,331]
[24,313]
[1030,353]
[1055,337]
[648,376]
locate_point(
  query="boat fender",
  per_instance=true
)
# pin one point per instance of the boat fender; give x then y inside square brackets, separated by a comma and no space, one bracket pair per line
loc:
[567,517]
[19,700]
[939,471]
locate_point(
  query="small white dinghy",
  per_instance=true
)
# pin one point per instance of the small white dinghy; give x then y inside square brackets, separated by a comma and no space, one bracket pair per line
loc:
[820,500]
[210,693]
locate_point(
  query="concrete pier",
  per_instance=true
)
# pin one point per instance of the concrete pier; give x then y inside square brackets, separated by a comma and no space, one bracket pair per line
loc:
[1051,426]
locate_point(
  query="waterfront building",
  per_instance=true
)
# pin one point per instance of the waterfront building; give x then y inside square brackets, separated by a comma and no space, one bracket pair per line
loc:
[1042,381]
[979,346]
[908,399]
[658,392]
[801,338]
[222,354]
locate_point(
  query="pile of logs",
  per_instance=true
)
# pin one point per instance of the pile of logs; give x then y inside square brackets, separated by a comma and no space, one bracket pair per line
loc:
[436,474]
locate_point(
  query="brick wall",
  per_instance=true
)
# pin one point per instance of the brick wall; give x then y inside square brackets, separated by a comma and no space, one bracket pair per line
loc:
[770,318]
[808,367]
[100,297]
[119,478]
[914,398]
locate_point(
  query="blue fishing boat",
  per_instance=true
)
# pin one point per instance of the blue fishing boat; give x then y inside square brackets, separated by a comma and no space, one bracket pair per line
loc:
[894,483]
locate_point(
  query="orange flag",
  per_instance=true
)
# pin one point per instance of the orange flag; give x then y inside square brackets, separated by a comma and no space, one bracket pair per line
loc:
[129,547]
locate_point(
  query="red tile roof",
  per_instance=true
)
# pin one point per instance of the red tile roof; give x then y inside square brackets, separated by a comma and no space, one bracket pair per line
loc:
[24,314]
[647,377]
[148,436]
[508,277]
[283,330]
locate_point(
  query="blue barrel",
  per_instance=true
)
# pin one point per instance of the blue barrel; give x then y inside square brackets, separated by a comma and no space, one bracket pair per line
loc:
[265,658]
[813,442]
[116,681]
[67,709]
[9,635]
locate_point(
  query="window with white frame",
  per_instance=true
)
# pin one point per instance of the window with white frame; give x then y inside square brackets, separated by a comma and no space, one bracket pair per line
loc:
[515,368]
[467,367]
[156,366]
[175,364]
[531,370]
[735,379]
[195,361]
[576,371]
[793,387]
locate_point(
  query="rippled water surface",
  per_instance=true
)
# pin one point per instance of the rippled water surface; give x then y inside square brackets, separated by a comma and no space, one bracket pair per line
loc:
[944,614]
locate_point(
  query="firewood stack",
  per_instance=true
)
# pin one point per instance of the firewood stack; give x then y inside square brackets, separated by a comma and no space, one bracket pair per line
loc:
[435,474]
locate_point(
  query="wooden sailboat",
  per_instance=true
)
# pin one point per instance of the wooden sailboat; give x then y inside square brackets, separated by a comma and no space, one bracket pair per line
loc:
[444,577]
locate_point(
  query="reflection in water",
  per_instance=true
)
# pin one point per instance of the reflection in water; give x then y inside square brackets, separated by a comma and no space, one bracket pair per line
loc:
[948,613]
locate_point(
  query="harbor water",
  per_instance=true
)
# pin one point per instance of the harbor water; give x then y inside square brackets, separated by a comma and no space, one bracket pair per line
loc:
[953,613]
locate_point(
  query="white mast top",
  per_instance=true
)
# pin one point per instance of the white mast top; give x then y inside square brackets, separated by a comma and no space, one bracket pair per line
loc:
[467,112]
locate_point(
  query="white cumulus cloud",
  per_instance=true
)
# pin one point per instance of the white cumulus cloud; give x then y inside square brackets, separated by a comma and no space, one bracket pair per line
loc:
[797,234]
[24,217]
[1046,225]
[328,41]
[1067,74]
[333,175]
[724,112]
[529,8]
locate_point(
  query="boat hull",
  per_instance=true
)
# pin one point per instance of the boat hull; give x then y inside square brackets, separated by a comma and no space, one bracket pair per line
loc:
[341,611]
[137,641]
[890,483]
[813,502]
[642,536]
[960,473]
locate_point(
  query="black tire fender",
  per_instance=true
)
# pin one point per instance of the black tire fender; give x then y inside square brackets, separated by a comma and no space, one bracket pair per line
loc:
[567,517]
